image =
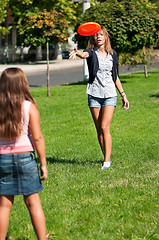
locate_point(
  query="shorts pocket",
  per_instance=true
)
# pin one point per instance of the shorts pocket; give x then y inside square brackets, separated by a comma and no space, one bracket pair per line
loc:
[5,173]
[30,170]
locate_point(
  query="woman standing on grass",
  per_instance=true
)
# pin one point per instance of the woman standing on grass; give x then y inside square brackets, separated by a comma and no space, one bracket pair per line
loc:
[102,63]
[19,133]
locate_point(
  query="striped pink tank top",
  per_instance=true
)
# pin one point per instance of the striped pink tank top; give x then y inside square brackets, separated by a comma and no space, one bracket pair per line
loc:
[24,143]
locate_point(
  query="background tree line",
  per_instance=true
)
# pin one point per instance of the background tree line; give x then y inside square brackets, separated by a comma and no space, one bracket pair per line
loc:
[133,25]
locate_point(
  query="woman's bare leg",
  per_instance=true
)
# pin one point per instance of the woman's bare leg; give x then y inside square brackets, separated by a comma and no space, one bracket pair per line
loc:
[6,203]
[107,114]
[102,118]
[97,118]
[37,215]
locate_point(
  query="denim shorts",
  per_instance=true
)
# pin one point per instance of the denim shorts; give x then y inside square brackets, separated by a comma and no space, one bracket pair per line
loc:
[101,102]
[19,174]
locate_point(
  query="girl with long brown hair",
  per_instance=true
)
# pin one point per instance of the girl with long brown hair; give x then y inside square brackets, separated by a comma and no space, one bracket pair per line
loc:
[103,80]
[20,133]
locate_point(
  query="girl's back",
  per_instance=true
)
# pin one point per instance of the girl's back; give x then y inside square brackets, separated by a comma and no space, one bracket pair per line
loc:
[24,143]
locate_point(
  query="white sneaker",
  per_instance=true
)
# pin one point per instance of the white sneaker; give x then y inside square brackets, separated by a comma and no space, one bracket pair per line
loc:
[106,165]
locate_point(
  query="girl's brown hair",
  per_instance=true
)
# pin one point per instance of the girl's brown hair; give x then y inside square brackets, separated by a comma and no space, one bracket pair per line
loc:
[14,89]
[108,48]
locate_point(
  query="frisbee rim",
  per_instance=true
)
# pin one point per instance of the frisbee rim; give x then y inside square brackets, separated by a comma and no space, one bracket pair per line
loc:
[86,32]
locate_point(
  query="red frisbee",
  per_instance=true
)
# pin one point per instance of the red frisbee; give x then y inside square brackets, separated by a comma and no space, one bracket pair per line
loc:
[88,28]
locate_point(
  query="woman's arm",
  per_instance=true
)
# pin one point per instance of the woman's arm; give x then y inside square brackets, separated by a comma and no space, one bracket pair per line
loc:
[122,93]
[38,140]
[79,53]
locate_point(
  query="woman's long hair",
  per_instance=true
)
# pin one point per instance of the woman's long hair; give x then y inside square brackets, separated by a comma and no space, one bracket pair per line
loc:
[14,89]
[108,48]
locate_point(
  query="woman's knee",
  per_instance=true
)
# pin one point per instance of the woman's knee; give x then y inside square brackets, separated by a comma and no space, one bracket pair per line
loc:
[6,201]
[32,200]
[105,129]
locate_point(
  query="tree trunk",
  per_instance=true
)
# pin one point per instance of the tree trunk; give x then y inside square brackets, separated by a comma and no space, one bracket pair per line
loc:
[145,65]
[58,49]
[14,42]
[39,53]
[47,73]
[21,54]
[5,51]
[145,69]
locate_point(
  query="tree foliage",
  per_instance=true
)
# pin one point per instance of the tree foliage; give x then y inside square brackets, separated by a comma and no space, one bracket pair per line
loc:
[21,9]
[156,2]
[131,24]
[61,6]
[39,27]
[3,14]
[11,9]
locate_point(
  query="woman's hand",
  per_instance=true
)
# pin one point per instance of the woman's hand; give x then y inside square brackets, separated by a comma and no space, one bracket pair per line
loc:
[125,102]
[73,54]
[44,172]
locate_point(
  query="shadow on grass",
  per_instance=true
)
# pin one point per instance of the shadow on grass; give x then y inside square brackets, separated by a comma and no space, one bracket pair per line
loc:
[18,238]
[123,81]
[155,72]
[155,95]
[76,83]
[34,86]
[143,73]
[74,161]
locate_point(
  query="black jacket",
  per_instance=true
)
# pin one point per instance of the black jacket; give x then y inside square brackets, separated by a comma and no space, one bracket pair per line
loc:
[93,65]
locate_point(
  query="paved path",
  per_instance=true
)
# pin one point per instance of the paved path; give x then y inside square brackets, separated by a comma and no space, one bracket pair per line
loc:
[58,77]
[138,68]
[42,66]
[68,63]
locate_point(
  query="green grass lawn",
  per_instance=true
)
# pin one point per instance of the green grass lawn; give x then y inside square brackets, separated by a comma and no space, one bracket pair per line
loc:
[80,201]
